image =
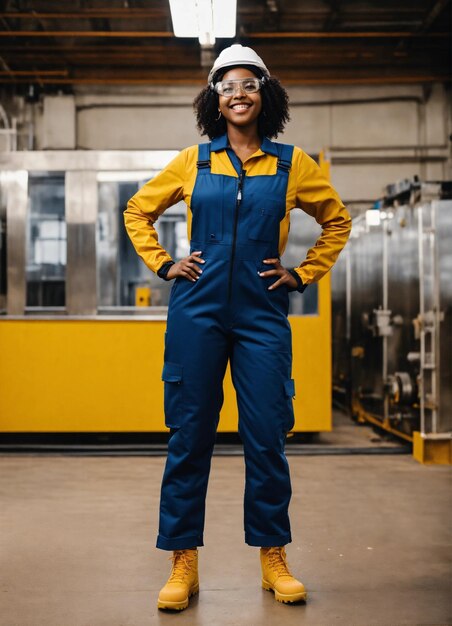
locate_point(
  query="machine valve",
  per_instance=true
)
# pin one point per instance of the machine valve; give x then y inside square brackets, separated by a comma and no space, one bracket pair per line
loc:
[381,323]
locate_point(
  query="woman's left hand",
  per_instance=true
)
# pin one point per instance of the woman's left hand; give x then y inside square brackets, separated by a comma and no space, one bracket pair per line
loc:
[285,277]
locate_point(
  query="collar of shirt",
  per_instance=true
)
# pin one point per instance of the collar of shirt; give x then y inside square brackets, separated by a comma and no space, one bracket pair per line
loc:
[221,143]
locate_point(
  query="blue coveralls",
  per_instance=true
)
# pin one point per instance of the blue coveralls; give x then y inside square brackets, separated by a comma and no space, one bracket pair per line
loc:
[229,314]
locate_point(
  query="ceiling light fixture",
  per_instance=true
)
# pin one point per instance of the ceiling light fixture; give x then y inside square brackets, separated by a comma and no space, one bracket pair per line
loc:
[205,19]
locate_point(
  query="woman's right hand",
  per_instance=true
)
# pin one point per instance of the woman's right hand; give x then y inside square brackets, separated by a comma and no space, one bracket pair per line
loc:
[187,268]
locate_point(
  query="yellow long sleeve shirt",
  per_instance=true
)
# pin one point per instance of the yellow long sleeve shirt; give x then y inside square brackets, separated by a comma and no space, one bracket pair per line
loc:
[307,189]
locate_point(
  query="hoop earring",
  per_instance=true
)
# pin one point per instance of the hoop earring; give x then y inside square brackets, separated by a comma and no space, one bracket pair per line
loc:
[219,115]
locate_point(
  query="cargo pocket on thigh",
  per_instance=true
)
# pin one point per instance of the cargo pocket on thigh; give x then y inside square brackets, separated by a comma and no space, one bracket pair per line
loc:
[172,377]
[289,388]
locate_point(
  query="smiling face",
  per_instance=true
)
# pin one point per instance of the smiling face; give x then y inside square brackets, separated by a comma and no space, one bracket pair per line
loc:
[240,109]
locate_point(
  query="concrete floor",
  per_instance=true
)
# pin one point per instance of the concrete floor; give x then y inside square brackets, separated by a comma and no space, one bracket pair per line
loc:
[372,543]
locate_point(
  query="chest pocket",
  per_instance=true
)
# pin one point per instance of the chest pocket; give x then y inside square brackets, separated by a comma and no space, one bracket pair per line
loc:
[207,209]
[265,217]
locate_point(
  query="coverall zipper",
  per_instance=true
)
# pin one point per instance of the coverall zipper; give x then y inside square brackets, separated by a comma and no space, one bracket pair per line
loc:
[234,236]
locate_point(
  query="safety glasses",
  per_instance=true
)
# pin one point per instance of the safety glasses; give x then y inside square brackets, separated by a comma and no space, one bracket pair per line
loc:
[228,88]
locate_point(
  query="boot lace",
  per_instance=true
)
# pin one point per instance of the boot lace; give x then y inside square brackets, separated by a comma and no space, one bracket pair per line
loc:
[278,561]
[182,563]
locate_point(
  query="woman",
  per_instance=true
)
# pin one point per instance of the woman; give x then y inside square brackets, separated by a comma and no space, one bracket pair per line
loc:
[229,302]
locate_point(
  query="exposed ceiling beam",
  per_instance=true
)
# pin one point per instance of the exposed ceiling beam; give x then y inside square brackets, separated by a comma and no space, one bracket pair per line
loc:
[342,35]
[376,43]
[86,33]
[35,72]
[300,80]
[89,14]
[174,47]
[260,35]
[106,58]
[132,13]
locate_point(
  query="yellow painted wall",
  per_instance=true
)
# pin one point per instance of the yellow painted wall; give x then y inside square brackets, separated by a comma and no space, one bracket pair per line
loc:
[94,375]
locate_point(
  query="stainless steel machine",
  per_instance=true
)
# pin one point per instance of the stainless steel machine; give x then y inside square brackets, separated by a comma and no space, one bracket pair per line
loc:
[392,303]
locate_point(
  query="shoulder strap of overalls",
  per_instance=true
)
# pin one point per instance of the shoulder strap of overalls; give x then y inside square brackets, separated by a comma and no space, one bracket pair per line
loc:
[285,152]
[203,162]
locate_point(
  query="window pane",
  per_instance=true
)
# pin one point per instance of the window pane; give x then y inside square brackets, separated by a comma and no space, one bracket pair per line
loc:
[120,270]
[46,241]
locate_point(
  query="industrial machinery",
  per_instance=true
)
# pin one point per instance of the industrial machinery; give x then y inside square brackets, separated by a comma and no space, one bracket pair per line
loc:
[393,317]
[82,320]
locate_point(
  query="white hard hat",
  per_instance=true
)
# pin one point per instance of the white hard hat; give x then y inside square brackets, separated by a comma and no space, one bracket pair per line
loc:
[237,55]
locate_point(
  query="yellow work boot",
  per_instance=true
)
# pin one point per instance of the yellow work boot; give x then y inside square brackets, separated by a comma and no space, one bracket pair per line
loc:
[277,577]
[183,581]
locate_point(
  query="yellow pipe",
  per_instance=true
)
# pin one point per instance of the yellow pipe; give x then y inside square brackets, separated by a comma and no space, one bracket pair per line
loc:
[364,415]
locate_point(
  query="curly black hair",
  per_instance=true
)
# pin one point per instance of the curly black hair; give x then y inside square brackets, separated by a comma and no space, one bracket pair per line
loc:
[271,120]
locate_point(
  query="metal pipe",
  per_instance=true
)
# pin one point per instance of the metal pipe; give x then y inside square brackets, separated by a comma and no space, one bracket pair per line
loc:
[31,128]
[437,320]
[16,218]
[293,103]
[377,421]
[369,160]
[161,450]
[348,295]
[14,135]
[421,320]
[422,138]
[385,308]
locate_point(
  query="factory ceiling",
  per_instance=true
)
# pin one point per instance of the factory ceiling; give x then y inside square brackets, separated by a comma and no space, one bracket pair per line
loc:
[59,45]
